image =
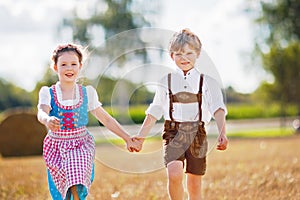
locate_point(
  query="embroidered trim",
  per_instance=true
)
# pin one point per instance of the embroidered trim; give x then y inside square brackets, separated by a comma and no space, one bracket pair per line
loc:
[68,107]
[69,134]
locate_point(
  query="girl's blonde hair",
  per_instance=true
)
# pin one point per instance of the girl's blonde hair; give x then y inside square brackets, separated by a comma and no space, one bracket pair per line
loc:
[185,36]
[68,47]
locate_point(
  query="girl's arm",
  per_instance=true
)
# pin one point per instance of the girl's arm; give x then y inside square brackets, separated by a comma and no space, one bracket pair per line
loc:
[52,122]
[219,116]
[109,122]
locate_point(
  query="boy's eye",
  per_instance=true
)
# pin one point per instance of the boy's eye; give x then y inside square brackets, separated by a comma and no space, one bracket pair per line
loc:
[178,54]
[63,64]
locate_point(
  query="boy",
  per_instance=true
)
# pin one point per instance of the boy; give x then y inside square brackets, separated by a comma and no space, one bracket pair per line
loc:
[187,100]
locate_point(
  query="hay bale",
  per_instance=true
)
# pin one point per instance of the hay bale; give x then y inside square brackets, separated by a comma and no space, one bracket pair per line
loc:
[21,134]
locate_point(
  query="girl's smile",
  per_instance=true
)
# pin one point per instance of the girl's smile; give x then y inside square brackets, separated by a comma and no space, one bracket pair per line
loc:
[68,67]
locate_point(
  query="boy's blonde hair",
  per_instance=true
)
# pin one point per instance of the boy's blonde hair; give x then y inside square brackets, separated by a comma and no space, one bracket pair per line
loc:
[185,36]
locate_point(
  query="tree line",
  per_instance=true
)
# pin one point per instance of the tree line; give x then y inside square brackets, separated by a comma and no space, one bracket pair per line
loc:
[277,48]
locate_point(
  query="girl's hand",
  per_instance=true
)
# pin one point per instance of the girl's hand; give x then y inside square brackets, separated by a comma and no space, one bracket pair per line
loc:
[53,123]
[129,144]
[138,143]
[223,141]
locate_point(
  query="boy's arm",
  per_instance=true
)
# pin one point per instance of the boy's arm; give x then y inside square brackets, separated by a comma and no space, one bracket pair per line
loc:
[219,116]
[109,122]
[148,124]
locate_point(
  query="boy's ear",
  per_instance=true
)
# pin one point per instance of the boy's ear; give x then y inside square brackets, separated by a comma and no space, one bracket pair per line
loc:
[172,55]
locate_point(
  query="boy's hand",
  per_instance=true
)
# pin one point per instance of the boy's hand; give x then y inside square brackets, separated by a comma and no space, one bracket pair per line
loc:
[53,123]
[138,143]
[222,142]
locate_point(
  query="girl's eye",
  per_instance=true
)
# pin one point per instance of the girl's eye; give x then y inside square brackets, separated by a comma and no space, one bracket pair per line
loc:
[63,64]
[74,64]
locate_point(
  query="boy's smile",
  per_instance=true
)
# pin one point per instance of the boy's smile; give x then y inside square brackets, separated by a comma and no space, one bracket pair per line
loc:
[185,58]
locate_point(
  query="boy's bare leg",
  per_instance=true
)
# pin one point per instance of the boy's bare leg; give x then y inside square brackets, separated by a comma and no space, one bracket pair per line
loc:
[175,177]
[194,186]
[74,192]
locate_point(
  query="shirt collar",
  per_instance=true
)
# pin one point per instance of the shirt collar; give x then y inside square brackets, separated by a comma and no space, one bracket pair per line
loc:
[190,72]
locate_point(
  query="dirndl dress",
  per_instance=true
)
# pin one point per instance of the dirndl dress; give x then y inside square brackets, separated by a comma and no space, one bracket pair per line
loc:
[69,153]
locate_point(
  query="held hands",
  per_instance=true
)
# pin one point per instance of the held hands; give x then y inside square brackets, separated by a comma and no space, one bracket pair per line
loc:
[222,142]
[135,144]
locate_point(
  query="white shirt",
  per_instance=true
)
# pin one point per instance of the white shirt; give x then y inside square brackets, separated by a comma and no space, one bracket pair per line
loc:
[45,97]
[212,98]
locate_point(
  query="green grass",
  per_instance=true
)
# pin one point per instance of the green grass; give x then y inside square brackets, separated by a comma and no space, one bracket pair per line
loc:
[255,133]
[136,114]
[262,133]
[119,141]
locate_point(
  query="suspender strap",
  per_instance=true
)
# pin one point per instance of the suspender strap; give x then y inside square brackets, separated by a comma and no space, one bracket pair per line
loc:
[170,97]
[199,95]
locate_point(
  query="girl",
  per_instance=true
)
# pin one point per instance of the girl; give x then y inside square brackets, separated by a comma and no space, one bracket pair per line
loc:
[69,149]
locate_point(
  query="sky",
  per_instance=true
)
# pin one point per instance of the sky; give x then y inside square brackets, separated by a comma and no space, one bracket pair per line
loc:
[29,33]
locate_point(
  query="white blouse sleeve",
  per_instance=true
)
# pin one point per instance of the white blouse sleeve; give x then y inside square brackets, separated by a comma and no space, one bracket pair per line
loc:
[93,100]
[44,97]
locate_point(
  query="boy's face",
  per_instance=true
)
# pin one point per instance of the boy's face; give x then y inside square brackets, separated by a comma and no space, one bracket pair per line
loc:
[186,58]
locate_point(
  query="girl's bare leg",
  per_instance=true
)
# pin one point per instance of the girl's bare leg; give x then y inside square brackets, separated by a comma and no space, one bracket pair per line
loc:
[74,192]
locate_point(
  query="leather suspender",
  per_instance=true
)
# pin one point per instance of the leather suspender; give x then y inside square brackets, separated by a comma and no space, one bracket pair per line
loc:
[199,97]
[170,97]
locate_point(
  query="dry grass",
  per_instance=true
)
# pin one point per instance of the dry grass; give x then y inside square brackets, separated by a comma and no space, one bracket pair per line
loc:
[249,169]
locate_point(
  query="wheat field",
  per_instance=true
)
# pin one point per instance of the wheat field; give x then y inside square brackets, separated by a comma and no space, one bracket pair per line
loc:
[250,169]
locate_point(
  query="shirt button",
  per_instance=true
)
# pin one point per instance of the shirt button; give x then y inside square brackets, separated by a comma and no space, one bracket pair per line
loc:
[185,87]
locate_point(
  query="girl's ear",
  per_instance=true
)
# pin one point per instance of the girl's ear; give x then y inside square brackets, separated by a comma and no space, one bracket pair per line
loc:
[55,67]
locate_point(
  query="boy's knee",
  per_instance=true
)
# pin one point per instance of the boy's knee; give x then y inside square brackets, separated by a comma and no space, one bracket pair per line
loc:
[175,171]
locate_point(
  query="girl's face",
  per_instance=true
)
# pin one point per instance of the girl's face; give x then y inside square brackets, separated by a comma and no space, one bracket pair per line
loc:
[186,58]
[67,66]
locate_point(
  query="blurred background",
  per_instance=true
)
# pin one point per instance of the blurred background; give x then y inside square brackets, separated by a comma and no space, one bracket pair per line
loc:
[253,44]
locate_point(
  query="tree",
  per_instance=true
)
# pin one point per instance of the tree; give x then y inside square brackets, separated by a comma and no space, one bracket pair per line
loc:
[12,96]
[279,22]
[119,16]
[285,66]
[281,17]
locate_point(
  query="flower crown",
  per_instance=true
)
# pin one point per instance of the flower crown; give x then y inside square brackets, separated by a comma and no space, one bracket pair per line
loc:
[67,47]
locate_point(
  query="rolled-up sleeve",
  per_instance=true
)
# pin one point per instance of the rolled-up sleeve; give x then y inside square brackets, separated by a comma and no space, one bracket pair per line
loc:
[214,96]
[156,108]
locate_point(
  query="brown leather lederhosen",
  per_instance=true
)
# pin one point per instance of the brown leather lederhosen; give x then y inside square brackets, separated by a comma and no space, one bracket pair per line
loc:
[186,140]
